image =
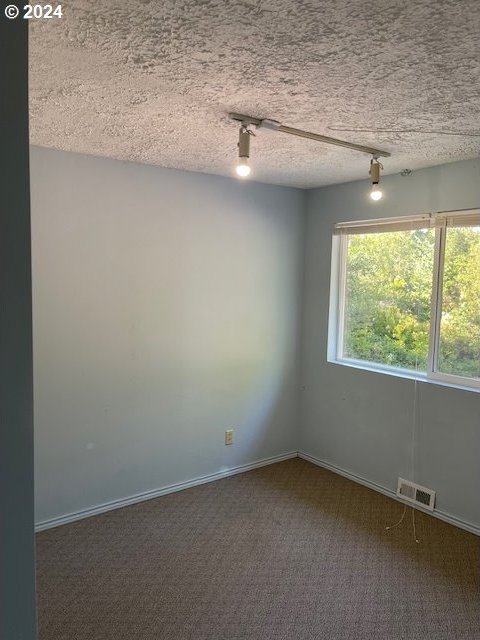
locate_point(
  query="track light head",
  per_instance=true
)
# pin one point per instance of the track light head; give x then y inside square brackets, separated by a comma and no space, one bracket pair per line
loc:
[243,168]
[375,166]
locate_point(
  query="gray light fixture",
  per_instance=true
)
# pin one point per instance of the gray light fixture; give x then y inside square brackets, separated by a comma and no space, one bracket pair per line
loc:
[277,126]
[375,166]
[243,168]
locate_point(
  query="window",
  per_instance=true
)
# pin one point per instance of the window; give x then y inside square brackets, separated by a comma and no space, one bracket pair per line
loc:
[405,296]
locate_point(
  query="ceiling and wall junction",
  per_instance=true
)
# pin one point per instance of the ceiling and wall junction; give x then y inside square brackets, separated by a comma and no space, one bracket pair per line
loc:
[153,83]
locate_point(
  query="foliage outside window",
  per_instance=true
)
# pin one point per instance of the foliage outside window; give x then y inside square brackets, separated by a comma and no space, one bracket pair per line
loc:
[408,295]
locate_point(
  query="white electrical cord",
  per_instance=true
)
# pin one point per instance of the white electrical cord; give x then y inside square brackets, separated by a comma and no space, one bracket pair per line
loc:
[414,529]
[414,448]
[425,131]
[412,465]
[392,526]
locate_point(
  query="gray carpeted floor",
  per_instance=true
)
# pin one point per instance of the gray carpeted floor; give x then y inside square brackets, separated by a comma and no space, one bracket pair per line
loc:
[289,551]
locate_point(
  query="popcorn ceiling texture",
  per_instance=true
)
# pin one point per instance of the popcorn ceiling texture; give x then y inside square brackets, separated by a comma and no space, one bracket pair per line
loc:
[152,82]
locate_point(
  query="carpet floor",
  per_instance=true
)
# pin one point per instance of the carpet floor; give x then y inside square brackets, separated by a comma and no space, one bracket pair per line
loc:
[289,551]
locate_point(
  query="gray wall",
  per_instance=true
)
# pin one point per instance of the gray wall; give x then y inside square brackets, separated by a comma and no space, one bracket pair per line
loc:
[17,574]
[166,310]
[360,421]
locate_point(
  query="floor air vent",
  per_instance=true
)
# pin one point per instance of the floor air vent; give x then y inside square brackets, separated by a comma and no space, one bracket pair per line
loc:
[415,493]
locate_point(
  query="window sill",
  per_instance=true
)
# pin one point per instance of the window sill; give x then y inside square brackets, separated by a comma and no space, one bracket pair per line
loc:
[408,375]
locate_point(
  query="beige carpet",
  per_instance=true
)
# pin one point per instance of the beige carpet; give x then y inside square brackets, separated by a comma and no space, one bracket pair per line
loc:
[289,551]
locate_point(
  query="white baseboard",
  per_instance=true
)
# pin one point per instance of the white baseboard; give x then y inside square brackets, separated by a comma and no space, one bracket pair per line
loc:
[155,493]
[441,515]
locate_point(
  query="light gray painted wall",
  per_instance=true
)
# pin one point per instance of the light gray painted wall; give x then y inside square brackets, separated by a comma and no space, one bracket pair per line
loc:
[166,310]
[362,421]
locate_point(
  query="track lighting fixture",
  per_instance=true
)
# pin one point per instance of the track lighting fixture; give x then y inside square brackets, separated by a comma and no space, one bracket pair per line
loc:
[375,166]
[243,167]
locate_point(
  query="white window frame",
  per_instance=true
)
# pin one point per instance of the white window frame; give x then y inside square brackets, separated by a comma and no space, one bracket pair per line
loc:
[337,297]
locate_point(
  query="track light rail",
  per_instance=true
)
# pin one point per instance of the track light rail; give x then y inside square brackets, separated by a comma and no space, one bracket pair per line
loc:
[272,124]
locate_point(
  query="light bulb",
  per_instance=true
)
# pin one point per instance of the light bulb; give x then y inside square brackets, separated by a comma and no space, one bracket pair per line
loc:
[243,168]
[376,193]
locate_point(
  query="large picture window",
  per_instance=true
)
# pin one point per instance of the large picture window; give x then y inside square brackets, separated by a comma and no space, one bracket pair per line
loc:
[406,296]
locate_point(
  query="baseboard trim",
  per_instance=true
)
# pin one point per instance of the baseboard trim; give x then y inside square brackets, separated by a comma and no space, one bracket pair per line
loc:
[156,493]
[441,515]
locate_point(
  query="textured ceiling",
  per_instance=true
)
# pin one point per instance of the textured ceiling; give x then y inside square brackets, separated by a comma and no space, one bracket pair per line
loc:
[152,81]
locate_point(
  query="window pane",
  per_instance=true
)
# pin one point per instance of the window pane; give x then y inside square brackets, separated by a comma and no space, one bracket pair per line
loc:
[459,352]
[388,296]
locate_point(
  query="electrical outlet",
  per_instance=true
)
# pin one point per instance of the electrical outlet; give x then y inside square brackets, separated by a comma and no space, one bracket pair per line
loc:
[229,436]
